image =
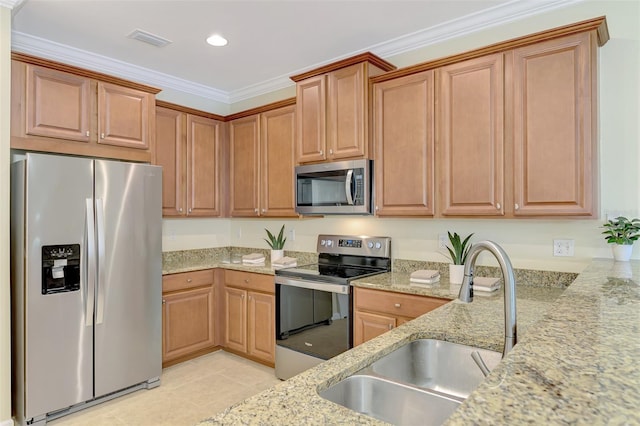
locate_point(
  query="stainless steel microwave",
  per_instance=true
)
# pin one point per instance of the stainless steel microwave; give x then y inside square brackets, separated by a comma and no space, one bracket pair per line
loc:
[342,187]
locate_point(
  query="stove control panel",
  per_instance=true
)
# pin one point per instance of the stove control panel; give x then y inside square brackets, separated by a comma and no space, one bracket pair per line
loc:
[355,245]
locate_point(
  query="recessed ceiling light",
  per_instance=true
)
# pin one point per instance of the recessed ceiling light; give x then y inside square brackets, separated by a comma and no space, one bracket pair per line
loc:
[217,40]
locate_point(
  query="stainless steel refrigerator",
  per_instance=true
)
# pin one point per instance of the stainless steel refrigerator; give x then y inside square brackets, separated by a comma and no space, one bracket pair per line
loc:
[86,282]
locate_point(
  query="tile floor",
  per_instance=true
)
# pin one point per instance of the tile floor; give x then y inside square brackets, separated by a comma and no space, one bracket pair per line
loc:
[190,391]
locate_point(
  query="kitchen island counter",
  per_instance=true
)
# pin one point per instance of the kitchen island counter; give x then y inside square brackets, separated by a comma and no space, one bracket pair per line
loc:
[576,365]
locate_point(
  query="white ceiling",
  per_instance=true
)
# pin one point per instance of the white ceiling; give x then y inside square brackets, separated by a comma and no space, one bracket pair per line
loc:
[268,40]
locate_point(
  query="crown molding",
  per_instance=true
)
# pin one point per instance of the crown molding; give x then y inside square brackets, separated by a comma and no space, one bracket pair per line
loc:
[498,15]
[10,4]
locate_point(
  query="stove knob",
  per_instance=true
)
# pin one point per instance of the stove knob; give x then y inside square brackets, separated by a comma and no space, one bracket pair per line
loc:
[329,243]
[370,244]
[378,246]
[323,242]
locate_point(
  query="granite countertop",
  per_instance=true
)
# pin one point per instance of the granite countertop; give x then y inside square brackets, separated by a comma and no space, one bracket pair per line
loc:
[576,361]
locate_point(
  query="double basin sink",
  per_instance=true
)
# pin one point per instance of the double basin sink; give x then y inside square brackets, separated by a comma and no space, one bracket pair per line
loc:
[422,382]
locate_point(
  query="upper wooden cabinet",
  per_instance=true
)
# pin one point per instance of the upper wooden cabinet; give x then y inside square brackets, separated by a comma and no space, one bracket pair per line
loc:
[189,150]
[262,163]
[470,102]
[332,118]
[53,109]
[403,141]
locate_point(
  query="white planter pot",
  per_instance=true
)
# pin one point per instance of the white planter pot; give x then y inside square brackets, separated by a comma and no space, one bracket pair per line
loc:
[622,252]
[456,274]
[276,254]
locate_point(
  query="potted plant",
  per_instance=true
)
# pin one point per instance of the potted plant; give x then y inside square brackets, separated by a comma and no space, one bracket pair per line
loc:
[276,244]
[458,251]
[622,232]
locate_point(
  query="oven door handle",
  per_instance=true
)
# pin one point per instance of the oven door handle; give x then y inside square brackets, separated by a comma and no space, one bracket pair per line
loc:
[347,186]
[313,285]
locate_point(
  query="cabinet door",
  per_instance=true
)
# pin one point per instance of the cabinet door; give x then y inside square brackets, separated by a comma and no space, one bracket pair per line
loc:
[188,322]
[203,166]
[367,326]
[57,104]
[277,162]
[261,326]
[470,137]
[347,113]
[235,336]
[311,119]
[170,154]
[554,103]
[124,116]
[244,136]
[403,133]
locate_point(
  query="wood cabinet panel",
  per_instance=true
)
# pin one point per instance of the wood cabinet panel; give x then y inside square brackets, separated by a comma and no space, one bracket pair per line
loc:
[347,112]
[171,151]
[244,134]
[368,326]
[58,104]
[188,322]
[261,326]
[404,150]
[554,102]
[123,116]
[236,319]
[203,166]
[187,280]
[277,143]
[470,100]
[311,118]
[250,281]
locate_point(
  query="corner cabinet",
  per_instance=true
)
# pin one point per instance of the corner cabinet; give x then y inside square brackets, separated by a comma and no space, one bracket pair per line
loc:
[262,164]
[78,113]
[188,315]
[333,103]
[378,311]
[404,149]
[189,150]
[250,315]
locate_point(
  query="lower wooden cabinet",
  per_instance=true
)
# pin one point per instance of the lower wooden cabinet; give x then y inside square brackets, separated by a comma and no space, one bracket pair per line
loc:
[250,315]
[378,311]
[188,315]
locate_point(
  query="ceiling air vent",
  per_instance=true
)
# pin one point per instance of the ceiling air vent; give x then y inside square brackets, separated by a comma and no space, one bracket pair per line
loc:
[149,38]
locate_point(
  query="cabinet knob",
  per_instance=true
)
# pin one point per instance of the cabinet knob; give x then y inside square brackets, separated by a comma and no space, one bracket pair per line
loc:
[517,206]
[256,211]
[242,296]
[331,151]
[102,135]
[246,280]
[164,301]
[377,208]
[497,206]
[189,280]
[189,210]
[87,133]
[390,326]
[180,209]
[264,210]
[321,152]
[397,305]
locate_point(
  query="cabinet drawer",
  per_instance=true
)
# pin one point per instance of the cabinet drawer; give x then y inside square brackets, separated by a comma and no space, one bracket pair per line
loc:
[397,304]
[250,281]
[187,280]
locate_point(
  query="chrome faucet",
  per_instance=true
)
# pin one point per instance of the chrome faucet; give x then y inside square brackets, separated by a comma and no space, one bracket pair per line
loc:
[466,291]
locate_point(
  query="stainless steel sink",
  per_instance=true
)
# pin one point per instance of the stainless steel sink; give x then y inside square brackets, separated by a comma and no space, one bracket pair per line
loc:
[390,401]
[437,365]
[422,382]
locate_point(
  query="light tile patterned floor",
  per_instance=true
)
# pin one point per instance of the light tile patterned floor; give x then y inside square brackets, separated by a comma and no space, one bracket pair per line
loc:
[190,392]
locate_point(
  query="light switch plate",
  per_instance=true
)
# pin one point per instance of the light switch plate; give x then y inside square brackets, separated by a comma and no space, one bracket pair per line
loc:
[563,248]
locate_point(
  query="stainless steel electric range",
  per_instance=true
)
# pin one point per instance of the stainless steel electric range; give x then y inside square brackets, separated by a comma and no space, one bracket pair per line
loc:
[314,302]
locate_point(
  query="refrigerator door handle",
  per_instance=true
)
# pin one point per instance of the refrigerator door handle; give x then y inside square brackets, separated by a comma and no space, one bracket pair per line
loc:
[101,262]
[90,261]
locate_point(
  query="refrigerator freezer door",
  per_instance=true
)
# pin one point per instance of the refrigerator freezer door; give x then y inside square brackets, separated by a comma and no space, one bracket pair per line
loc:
[59,338]
[128,327]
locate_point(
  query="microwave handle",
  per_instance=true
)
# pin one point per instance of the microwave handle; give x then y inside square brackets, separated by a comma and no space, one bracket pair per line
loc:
[347,186]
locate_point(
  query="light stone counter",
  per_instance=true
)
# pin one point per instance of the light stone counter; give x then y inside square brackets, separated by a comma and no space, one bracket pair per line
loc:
[577,360]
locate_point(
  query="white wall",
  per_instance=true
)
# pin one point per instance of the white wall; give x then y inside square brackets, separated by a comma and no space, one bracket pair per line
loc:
[5,319]
[529,242]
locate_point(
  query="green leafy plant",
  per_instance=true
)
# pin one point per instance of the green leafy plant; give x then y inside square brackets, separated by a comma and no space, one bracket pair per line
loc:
[622,230]
[459,248]
[276,243]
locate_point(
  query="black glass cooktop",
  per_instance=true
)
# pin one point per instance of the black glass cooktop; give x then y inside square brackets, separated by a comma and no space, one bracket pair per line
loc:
[328,273]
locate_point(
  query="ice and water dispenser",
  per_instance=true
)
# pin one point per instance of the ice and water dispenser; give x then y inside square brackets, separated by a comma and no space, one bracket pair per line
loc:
[60,268]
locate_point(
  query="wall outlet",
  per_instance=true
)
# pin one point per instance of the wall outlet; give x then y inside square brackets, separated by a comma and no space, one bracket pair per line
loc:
[443,239]
[292,234]
[239,233]
[563,248]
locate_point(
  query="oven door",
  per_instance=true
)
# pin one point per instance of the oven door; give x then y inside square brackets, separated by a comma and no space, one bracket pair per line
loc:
[313,323]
